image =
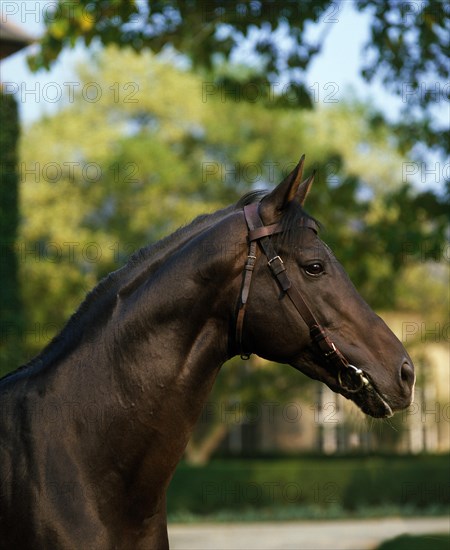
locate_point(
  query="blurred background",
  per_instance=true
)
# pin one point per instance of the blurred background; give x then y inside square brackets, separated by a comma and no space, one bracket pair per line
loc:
[122,120]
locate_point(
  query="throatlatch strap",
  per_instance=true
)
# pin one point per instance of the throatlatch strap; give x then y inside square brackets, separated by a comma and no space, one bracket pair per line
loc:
[248,272]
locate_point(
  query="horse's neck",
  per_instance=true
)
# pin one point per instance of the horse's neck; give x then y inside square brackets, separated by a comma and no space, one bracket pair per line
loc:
[164,345]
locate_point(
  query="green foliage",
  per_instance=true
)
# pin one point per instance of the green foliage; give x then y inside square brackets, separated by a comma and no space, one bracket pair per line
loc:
[407,47]
[82,18]
[408,51]
[11,316]
[315,487]
[410,227]
[103,178]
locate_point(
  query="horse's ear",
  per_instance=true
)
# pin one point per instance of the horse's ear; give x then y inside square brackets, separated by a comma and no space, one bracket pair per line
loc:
[304,188]
[285,192]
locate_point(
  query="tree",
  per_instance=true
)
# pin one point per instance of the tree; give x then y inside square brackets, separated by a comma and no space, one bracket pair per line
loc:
[407,48]
[121,169]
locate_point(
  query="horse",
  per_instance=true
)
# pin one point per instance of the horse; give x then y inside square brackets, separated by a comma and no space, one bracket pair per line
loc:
[92,429]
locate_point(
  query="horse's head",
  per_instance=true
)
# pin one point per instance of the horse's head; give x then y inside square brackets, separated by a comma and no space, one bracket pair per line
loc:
[306,312]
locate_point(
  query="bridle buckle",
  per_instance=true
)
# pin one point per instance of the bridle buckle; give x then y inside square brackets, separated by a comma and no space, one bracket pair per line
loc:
[274,259]
[332,351]
[276,265]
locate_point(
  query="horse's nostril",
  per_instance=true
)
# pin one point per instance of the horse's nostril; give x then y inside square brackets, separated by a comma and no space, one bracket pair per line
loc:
[407,373]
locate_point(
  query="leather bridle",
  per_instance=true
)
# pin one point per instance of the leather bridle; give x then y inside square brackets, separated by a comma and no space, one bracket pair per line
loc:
[260,233]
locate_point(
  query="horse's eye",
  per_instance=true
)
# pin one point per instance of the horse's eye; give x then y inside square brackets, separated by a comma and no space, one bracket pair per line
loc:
[315,268]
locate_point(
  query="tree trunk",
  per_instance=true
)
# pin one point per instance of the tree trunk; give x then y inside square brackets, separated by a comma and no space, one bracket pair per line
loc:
[198,454]
[11,312]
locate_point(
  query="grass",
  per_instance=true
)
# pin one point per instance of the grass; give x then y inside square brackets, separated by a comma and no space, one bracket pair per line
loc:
[422,542]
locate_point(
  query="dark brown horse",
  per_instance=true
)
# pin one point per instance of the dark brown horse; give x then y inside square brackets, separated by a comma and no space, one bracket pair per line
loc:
[92,429]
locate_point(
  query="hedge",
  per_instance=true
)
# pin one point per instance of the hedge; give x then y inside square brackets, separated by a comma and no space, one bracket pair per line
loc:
[317,486]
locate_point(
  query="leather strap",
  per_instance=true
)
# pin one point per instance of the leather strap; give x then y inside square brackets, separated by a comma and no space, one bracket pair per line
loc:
[264,231]
[248,272]
[261,233]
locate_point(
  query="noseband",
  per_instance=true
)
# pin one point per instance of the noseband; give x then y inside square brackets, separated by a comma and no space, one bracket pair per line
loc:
[260,233]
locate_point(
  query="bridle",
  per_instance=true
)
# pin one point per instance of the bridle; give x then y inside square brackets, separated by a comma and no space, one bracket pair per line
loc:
[260,233]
